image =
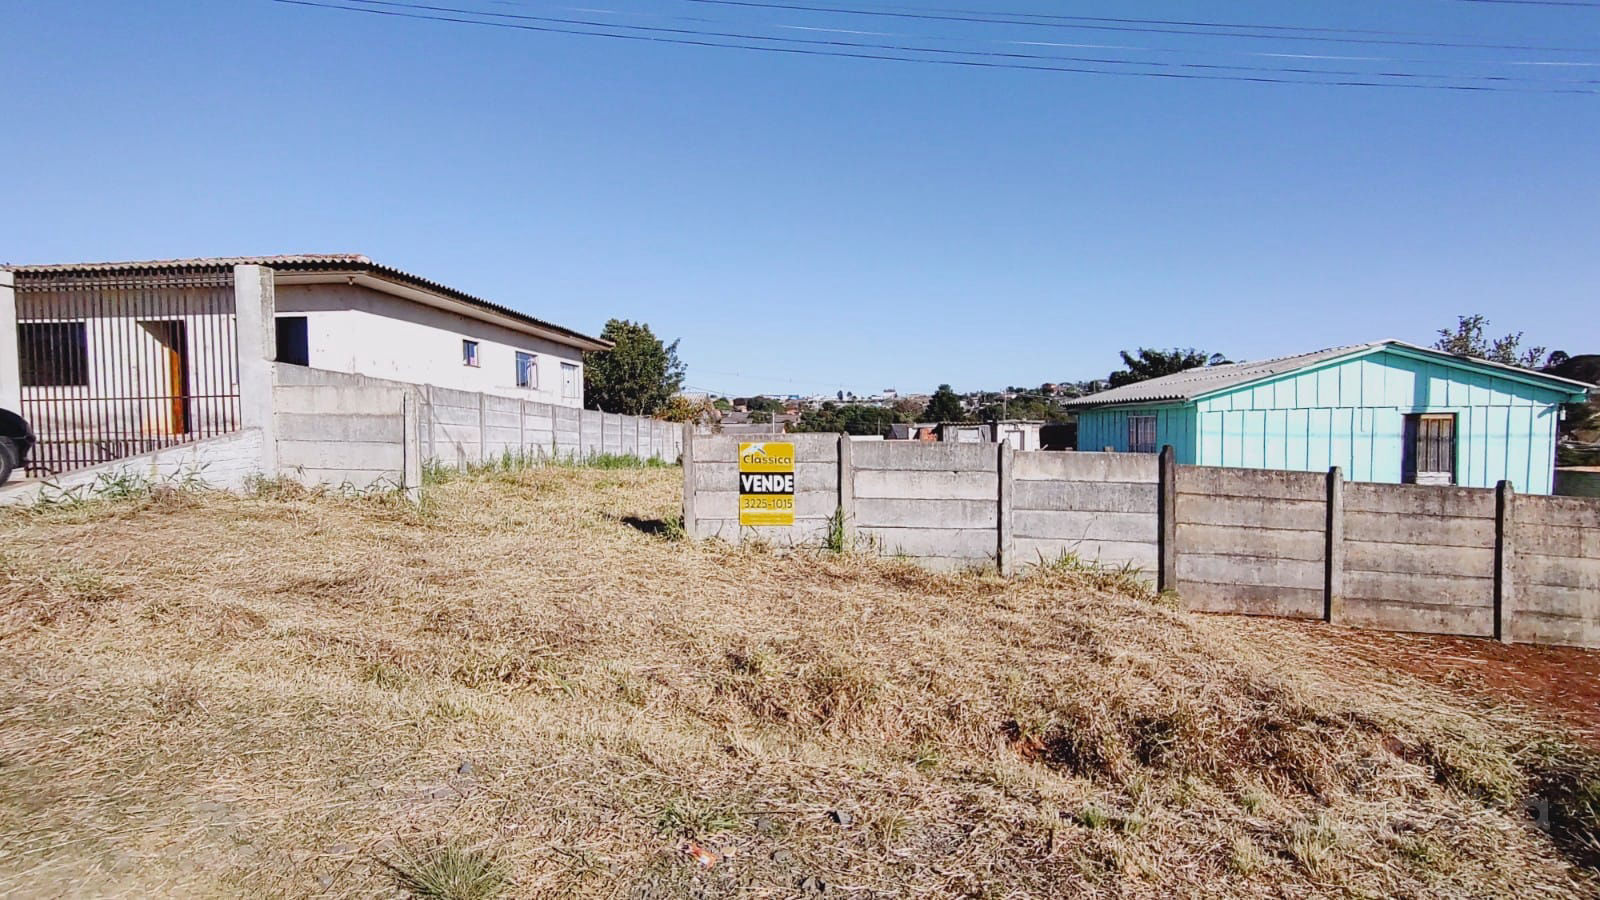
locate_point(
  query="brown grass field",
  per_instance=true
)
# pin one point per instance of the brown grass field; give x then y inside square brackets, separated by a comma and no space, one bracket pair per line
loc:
[531,687]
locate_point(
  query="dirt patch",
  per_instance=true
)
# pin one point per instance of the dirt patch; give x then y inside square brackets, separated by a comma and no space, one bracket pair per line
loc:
[1560,683]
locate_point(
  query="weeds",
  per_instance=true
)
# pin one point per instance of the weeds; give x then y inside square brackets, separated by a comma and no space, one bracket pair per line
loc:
[436,472]
[449,872]
[696,819]
[122,485]
[836,539]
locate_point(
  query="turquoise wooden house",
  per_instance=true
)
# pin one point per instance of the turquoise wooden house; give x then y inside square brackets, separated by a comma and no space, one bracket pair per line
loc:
[1386,411]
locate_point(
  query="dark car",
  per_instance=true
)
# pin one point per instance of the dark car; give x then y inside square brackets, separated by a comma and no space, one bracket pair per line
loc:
[16,442]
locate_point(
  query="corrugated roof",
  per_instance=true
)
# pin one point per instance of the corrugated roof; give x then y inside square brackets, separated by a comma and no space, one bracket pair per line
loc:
[1191,384]
[313,262]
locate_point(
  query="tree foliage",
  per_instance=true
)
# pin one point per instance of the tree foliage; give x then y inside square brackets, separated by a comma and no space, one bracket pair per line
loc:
[849,418]
[1467,339]
[764,404]
[636,377]
[1149,363]
[944,406]
[679,408]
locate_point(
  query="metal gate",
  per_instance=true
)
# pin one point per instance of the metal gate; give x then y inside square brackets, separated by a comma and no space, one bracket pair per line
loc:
[117,363]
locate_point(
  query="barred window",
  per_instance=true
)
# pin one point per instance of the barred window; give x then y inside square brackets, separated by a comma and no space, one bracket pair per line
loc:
[53,354]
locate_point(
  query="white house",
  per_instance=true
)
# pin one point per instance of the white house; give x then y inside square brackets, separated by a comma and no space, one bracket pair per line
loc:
[349,314]
[107,360]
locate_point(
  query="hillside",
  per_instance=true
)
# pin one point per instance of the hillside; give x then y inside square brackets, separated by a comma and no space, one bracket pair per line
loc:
[530,687]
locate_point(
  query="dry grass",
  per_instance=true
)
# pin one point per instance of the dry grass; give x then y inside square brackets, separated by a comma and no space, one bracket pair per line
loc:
[520,690]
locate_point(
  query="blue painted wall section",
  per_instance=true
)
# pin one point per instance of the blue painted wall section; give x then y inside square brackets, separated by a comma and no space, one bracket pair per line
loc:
[1351,413]
[1175,425]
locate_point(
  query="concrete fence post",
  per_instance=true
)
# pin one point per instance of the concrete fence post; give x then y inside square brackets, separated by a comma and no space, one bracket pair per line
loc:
[1333,551]
[691,523]
[483,427]
[847,492]
[1005,540]
[10,356]
[256,339]
[411,473]
[1167,520]
[427,403]
[1505,521]
[522,429]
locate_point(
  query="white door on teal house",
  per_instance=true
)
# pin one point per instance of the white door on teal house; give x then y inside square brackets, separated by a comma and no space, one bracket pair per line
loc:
[1429,449]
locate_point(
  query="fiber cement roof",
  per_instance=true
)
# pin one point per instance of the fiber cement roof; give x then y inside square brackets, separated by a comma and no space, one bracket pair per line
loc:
[313,262]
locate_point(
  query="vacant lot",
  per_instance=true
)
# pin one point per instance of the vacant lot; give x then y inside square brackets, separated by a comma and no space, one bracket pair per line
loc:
[529,686]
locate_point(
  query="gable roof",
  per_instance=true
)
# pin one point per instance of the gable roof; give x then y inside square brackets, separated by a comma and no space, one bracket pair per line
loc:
[341,263]
[1192,384]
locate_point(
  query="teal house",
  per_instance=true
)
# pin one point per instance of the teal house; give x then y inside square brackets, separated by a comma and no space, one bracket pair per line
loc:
[1386,411]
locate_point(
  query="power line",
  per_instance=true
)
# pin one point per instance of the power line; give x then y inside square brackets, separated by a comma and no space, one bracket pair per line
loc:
[690,37]
[903,48]
[1094,24]
[1578,3]
[1201,51]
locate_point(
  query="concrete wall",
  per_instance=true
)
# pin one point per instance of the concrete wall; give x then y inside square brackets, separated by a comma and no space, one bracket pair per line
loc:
[1100,507]
[1251,541]
[712,482]
[464,427]
[352,328]
[341,430]
[1419,558]
[336,428]
[1557,571]
[224,463]
[1470,561]
[935,503]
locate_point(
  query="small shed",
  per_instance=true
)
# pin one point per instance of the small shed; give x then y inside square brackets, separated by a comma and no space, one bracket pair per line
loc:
[1387,411]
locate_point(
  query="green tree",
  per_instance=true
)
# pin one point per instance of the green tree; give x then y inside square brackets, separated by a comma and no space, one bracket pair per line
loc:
[1467,339]
[850,419]
[764,404]
[1150,363]
[944,406]
[637,376]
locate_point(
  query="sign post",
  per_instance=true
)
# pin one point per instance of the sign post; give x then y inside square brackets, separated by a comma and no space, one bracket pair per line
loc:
[766,483]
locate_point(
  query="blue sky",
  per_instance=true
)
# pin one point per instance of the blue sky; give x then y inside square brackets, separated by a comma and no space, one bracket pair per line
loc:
[809,224]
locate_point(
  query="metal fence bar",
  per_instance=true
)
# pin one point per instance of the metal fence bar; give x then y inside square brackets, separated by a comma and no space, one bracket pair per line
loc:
[116,364]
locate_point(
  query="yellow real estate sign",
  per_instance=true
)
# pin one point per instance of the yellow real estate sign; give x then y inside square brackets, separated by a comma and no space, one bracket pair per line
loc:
[766,484]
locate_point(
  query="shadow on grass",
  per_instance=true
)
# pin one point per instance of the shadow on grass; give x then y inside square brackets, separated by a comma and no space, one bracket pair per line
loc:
[670,529]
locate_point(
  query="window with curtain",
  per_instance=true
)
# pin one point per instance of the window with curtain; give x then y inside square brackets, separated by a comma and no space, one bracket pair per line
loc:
[1141,434]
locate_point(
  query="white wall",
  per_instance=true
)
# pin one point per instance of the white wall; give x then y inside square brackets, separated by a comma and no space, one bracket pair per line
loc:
[354,329]
[224,463]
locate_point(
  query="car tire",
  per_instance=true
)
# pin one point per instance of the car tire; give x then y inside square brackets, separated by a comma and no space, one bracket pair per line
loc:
[8,458]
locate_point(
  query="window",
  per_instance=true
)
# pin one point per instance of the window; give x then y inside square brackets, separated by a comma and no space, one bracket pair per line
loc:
[53,354]
[469,353]
[569,381]
[527,370]
[1430,449]
[1141,434]
[294,346]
